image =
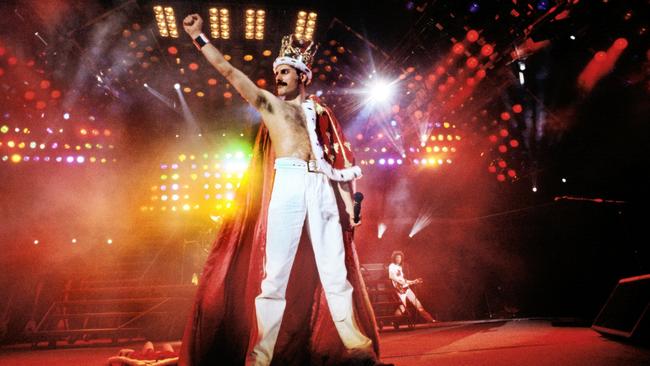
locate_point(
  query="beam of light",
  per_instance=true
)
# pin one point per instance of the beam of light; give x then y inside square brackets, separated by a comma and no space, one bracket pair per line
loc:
[380,91]
[601,64]
[187,114]
[423,220]
[381,229]
[168,102]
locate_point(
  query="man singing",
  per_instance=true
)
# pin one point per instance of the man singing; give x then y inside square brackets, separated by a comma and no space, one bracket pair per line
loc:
[313,167]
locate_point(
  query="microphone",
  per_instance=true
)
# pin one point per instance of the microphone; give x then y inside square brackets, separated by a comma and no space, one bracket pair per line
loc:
[358,197]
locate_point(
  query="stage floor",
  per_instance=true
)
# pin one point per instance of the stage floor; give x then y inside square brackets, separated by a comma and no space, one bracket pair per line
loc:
[512,342]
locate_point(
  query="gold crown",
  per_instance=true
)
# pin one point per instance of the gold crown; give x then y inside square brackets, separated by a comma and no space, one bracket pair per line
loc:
[298,49]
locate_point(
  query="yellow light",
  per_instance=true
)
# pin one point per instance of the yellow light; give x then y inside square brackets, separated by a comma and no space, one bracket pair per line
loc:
[163,177]
[186,207]
[16,158]
[175,176]
[109,241]
[181,157]
[248,58]
[11,143]
[266,53]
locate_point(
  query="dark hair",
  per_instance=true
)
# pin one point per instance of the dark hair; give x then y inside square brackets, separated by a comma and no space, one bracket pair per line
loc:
[395,254]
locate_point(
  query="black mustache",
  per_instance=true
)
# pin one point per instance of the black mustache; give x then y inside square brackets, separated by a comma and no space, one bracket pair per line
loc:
[280,83]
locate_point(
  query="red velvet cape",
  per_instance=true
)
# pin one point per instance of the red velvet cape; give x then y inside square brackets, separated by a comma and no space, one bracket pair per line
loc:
[222,327]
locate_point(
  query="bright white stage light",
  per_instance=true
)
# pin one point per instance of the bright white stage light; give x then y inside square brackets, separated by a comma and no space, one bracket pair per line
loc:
[66,115]
[146,85]
[380,91]
[177,86]
[381,229]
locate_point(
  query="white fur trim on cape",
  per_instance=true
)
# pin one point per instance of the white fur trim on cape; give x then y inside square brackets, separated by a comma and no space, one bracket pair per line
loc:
[293,63]
[340,175]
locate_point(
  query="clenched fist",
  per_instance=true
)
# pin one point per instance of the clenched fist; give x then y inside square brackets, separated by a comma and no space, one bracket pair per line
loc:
[193,25]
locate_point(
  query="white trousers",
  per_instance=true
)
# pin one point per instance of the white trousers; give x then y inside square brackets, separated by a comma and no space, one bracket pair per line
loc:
[298,195]
[410,295]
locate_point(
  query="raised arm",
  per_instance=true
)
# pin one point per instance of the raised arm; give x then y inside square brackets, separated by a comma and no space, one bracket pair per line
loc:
[193,25]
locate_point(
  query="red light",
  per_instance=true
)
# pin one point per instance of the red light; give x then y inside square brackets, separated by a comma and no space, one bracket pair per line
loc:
[261,83]
[40,104]
[487,50]
[55,94]
[493,138]
[194,66]
[472,62]
[503,148]
[458,48]
[470,81]
[12,61]
[440,70]
[442,88]
[502,164]
[505,116]
[472,36]
[451,80]
[600,56]
[107,133]
[514,143]
[2,51]
[431,78]
[227,95]
[503,132]
[620,43]
[480,74]
[172,50]
[30,95]
[212,81]
[492,169]
[512,173]
[44,84]
[517,108]
[501,177]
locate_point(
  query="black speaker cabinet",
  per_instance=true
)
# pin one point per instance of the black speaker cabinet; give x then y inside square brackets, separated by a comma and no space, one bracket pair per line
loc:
[627,311]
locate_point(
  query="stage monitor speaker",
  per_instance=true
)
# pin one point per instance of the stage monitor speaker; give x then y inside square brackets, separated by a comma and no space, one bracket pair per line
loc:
[627,311]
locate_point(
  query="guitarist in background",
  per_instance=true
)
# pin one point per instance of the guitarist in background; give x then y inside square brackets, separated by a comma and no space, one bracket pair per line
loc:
[403,286]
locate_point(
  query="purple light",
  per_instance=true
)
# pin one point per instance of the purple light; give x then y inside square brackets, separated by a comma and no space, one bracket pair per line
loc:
[416,161]
[164,166]
[382,161]
[70,159]
[163,187]
[174,166]
[399,161]
[59,159]
[391,161]
[474,7]
[55,145]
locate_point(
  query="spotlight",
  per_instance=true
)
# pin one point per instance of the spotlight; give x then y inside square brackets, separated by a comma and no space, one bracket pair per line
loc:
[146,85]
[109,241]
[380,91]
[177,86]
[66,115]
[534,189]
[381,229]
